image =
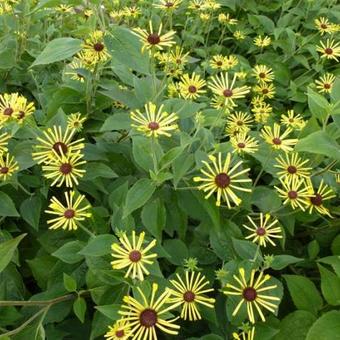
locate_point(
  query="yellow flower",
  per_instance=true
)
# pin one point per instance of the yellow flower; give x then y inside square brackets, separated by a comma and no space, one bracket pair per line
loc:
[56,141]
[329,50]
[292,166]
[211,5]
[252,294]
[64,169]
[4,138]
[242,143]
[277,140]
[168,5]
[117,15]
[154,123]
[264,231]
[94,47]
[173,90]
[226,19]
[64,8]
[240,121]
[294,191]
[262,42]
[191,87]
[68,217]
[154,40]
[231,61]
[190,293]
[263,73]
[222,178]
[8,104]
[75,121]
[132,12]
[262,112]
[146,315]
[23,109]
[78,65]
[8,166]
[121,330]
[292,120]
[325,83]
[265,90]
[178,56]
[196,4]
[239,35]
[245,335]
[133,256]
[221,86]
[318,197]
[241,75]
[324,26]
[218,62]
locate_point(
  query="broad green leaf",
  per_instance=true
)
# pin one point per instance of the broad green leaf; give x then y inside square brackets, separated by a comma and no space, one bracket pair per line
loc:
[96,169]
[99,245]
[319,143]
[335,93]
[110,311]
[330,286]
[317,104]
[266,199]
[154,218]
[334,261]
[138,195]
[295,325]
[70,283]
[7,250]
[79,308]
[7,207]
[118,121]
[177,250]
[282,261]
[169,157]
[58,49]
[304,293]
[68,253]
[246,250]
[327,327]
[30,211]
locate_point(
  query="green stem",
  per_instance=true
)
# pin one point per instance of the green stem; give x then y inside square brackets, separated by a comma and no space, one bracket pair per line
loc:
[87,231]
[153,154]
[262,169]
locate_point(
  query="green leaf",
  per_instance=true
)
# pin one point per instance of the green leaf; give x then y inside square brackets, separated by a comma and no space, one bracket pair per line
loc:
[169,157]
[96,169]
[68,253]
[266,199]
[177,250]
[317,104]
[327,327]
[304,293]
[99,245]
[79,308]
[118,121]
[295,325]
[246,250]
[58,49]
[7,207]
[138,195]
[334,261]
[335,93]
[320,143]
[7,250]
[154,218]
[330,286]
[141,147]
[70,283]
[282,261]
[30,210]
[110,311]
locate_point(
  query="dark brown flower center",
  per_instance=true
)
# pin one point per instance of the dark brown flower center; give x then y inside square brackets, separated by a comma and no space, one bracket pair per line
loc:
[69,213]
[8,111]
[292,194]
[249,294]
[219,63]
[169,4]
[98,47]
[265,91]
[260,231]
[21,115]
[277,141]
[222,180]
[228,93]
[135,256]
[192,89]
[60,146]
[4,170]
[189,296]
[328,50]
[239,122]
[154,39]
[291,120]
[262,75]
[323,26]
[292,169]
[148,318]
[153,126]
[178,61]
[120,333]
[316,200]
[327,86]
[241,145]
[65,168]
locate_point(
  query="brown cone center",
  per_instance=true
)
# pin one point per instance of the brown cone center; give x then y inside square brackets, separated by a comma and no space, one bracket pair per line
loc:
[228,93]
[8,111]
[329,50]
[69,213]
[192,89]
[148,318]
[241,145]
[316,200]
[277,141]
[4,170]
[249,294]
[135,256]
[98,47]
[154,39]
[222,180]
[153,126]
[292,169]
[65,168]
[60,146]
[120,333]
[260,231]
[189,296]
[292,194]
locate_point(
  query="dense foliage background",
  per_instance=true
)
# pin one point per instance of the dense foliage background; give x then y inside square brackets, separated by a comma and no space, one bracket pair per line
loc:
[59,284]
